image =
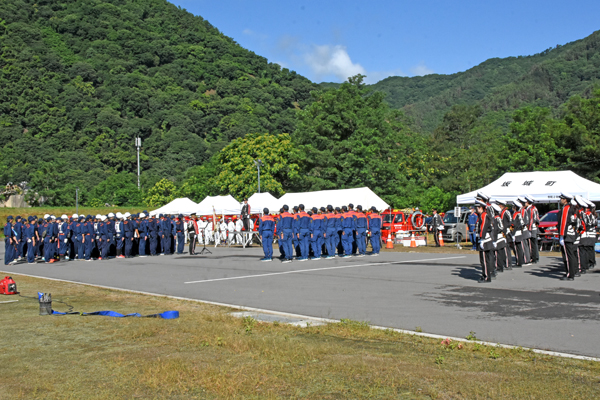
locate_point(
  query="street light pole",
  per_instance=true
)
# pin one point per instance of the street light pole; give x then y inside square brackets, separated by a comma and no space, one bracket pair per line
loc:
[138,144]
[258,165]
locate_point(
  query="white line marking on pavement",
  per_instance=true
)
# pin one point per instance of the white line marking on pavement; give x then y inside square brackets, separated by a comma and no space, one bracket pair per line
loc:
[321,269]
[327,320]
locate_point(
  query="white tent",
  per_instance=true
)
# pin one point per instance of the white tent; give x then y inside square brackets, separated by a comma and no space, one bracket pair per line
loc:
[178,206]
[259,201]
[359,196]
[543,186]
[222,205]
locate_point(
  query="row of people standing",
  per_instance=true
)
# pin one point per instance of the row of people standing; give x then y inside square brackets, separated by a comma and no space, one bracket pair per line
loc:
[499,231]
[327,232]
[51,239]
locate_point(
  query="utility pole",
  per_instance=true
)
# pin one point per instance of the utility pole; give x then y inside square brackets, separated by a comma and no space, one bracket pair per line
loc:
[77,200]
[138,144]
[258,164]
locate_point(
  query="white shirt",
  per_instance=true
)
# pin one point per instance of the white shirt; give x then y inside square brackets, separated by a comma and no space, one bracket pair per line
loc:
[231,226]
[239,225]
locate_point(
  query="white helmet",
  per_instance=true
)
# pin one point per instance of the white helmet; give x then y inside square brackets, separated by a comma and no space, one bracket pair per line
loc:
[119,215]
[46,216]
[75,216]
[142,215]
[111,215]
[103,218]
[52,217]
[98,216]
[127,214]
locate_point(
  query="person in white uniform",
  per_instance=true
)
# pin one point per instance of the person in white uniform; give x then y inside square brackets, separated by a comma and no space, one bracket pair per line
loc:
[239,224]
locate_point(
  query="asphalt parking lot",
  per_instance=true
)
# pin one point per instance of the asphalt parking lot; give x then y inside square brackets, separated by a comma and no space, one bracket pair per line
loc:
[438,293]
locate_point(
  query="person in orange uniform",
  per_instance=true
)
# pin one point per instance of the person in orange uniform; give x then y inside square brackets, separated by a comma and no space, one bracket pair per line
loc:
[265,231]
[375,224]
[361,224]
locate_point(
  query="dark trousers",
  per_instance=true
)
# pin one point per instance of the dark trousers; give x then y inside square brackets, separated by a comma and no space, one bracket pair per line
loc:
[501,262]
[192,245]
[128,246]
[591,256]
[89,246]
[315,243]
[347,238]
[165,244]
[534,249]
[376,241]
[9,251]
[583,263]
[30,253]
[281,245]
[288,243]
[520,248]
[486,259]
[153,244]
[180,242]
[569,254]
[527,250]
[267,243]
[361,240]
[105,248]
[436,237]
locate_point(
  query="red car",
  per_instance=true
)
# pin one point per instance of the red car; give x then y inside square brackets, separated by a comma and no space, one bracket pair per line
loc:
[549,223]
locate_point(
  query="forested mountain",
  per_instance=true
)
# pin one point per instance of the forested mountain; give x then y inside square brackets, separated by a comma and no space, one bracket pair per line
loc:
[80,79]
[545,79]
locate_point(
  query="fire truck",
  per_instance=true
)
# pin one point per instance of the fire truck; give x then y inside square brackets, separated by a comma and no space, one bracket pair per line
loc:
[396,221]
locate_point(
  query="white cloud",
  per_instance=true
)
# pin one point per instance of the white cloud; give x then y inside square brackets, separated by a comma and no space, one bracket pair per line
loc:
[327,60]
[421,69]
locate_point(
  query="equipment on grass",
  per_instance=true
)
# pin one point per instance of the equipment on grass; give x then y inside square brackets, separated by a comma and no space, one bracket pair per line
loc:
[45,303]
[413,243]
[441,239]
[8,286]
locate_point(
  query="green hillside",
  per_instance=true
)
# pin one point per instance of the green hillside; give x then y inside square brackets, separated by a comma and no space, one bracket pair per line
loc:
[545,79]
[80,79]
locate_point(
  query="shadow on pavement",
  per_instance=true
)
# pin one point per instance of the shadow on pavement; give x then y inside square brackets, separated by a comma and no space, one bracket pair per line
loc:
[472,273]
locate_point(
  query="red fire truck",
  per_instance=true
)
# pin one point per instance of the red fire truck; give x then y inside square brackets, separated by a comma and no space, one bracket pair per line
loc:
[395,221]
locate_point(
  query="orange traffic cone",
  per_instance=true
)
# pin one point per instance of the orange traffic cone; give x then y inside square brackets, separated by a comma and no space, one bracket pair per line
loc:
[441,239]
[413,243]
[389,244]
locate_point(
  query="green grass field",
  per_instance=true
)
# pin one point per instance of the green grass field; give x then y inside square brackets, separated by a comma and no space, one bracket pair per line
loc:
[208,354]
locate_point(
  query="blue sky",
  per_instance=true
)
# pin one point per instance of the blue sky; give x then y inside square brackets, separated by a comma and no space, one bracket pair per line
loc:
[329,40]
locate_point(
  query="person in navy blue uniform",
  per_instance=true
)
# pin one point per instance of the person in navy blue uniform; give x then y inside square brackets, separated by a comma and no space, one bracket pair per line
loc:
[304,228]
[40,242]
[330,232]
[48,240]
[30,238]
[89,237]
[153,234]
[143,231]
[265,231]
[375,223]
[287,233]
[110,233]
[362,225]
[128,234]
[10,242]
[103,244]
[18,227]
[165,224]
[180,232]
[316,233]
[348,228]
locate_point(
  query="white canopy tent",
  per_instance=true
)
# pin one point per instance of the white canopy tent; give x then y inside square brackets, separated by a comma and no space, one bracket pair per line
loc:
[259,201]
[543,186]
[222,205]
[178,206]
[359,196]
